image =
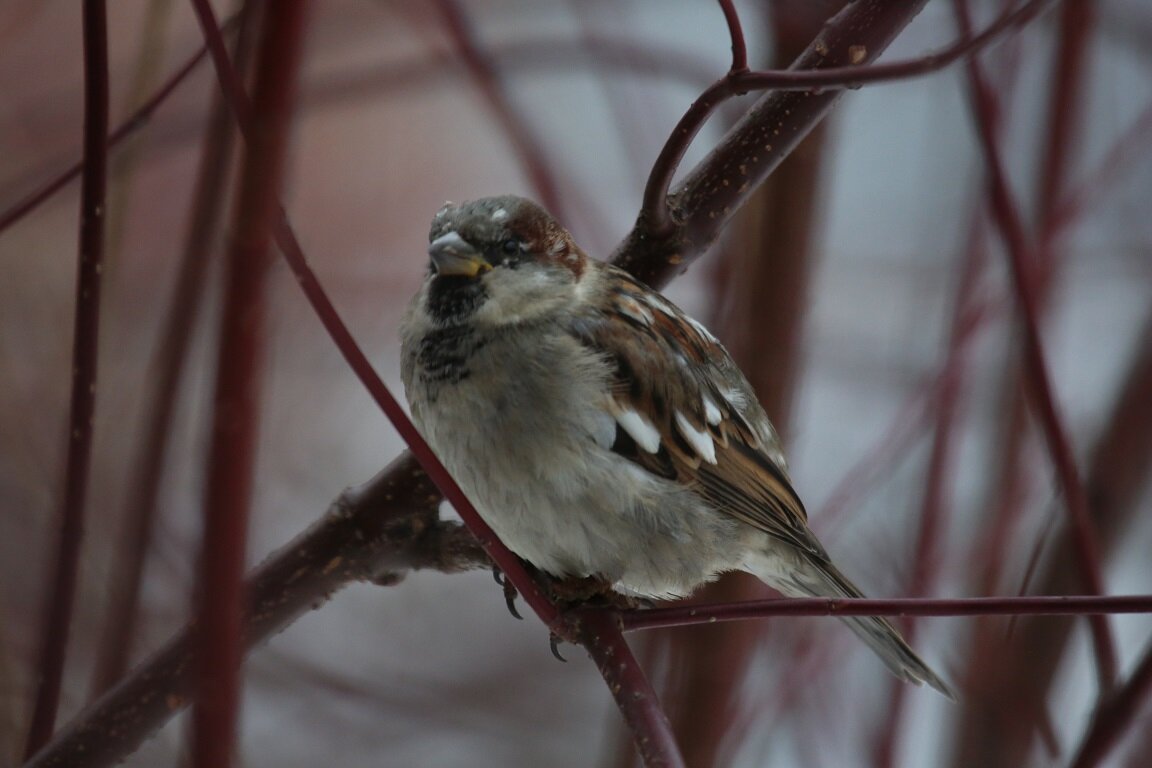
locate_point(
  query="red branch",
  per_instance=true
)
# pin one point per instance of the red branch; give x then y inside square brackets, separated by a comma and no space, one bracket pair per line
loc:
[601,635]
[1055,605]
[236,404]
[1007,218]
[57,619]
[736,34]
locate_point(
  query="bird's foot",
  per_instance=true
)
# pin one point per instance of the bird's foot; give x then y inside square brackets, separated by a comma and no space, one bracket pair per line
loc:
[591,592]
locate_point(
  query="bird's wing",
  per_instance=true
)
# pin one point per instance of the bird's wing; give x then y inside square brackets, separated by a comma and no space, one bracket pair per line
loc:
[684,412]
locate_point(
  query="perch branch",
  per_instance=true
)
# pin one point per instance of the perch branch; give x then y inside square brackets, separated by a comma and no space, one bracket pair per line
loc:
[600,632]
[1054,605]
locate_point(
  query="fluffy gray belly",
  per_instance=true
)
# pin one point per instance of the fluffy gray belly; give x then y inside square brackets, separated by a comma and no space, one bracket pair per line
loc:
[530,446]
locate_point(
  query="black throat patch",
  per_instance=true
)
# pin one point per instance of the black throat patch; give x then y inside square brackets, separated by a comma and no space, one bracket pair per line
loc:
[453,298]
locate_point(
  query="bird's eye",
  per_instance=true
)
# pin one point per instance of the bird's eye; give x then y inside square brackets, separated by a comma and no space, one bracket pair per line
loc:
[511,246]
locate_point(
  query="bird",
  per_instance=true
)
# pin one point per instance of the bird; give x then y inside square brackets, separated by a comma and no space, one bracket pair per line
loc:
[598,429]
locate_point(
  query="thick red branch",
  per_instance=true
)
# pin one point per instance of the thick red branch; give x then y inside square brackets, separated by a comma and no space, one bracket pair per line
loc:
[680,225]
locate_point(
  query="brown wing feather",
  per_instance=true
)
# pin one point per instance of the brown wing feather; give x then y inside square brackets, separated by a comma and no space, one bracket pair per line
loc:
[660,358]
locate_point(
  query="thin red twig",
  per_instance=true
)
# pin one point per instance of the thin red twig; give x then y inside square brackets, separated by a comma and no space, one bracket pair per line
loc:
[1007,218]
[1003,510]
[236,405]
[736,35]
[65,563]
[1055,605]
[358,362]
[855,75]
[1010,671]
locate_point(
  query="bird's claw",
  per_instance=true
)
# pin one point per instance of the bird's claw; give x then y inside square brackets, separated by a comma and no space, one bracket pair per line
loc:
[554,641]
[510,593]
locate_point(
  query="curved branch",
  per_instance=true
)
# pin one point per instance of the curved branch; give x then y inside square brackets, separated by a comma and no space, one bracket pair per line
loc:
[736,33]
[680,225]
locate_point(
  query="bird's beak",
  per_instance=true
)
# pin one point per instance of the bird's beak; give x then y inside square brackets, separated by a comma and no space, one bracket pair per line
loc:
[453,255]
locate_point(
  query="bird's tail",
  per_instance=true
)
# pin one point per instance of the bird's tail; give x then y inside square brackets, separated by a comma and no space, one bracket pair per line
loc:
[822,579]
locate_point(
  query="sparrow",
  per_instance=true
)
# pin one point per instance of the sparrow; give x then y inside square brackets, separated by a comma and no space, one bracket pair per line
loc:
[598,429]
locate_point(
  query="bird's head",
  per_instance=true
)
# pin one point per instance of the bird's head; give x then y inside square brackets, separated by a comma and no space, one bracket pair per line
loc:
[500,260]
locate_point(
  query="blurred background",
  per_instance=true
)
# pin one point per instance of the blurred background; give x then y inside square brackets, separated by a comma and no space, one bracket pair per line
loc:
[865,292]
